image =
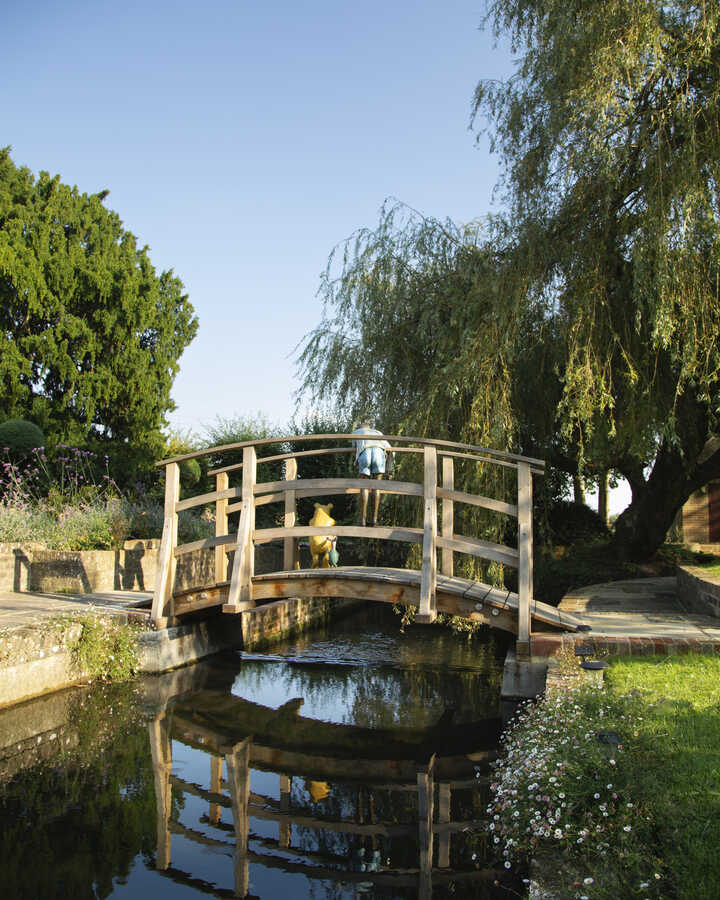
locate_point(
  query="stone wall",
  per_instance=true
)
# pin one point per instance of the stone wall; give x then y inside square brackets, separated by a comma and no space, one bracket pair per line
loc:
[266,624]
[699,591]
[28,567]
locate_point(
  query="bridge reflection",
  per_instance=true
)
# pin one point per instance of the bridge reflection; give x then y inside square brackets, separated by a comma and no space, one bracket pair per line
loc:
[339,806]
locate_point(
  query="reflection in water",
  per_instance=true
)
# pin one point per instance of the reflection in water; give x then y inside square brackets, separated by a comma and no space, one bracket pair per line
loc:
[206,788]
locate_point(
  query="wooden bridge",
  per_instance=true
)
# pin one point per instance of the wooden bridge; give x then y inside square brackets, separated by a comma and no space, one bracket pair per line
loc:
[427,589]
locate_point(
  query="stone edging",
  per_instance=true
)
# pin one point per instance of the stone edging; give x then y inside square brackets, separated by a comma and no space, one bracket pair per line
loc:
[699,591]
[38,662]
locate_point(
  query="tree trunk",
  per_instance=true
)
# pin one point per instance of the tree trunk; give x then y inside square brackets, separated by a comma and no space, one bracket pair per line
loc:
[642,528]
[578,489]
[603,487]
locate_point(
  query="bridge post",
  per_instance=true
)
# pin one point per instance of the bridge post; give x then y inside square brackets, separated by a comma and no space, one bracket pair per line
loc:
[428,599]
[240,593]
[165,582]
[448,516]
[525,550]
[221,528]
[290,545]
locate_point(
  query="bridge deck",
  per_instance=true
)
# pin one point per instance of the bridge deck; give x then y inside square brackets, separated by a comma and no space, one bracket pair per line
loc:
[456,596]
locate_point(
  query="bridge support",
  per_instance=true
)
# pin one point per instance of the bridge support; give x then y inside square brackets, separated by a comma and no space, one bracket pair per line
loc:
[240,594]
[163,598]
[525,569]
[428,599]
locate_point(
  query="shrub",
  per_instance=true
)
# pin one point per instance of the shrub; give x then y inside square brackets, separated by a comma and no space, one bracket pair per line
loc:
[572,523]
[190,472]
[20,437]
[557,572]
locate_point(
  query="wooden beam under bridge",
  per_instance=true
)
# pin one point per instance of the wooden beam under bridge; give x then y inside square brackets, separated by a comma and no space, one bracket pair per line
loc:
[456,596]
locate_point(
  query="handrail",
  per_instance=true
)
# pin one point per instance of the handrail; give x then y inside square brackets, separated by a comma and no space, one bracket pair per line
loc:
[397,438]
[437,489]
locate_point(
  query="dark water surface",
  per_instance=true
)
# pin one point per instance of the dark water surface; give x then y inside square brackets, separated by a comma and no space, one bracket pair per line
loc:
[340,764]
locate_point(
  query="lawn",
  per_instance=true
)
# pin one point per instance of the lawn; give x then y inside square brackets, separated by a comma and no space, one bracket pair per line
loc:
[677,763]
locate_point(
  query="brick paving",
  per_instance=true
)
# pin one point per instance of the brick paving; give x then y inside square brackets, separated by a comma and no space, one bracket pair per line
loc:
[644,616]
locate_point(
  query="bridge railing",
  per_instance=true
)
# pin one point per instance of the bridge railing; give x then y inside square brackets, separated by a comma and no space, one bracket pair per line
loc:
[437,491]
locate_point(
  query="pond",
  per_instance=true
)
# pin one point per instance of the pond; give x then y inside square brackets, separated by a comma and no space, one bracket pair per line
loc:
[349,762]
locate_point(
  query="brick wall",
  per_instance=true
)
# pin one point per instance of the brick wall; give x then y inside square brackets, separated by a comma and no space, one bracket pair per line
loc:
[695,518]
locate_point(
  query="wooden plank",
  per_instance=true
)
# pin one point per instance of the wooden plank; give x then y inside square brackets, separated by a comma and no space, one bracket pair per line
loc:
[444,819]
[240,593]
[282,456]
[448,514]
[221,526]
[228,541]
[337,587]
[428,610]
[211,497]
[378,532]
[290,544]
[322,486]
[444,446]
[525,550]
[509,509]
[486,549]
[161,611]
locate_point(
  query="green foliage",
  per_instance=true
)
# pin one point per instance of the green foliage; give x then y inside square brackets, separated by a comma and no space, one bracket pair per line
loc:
[90,334]
[20,437]
[582,325]
[73,826]
[106,650]
[562,569]
[573,523]
[190,472]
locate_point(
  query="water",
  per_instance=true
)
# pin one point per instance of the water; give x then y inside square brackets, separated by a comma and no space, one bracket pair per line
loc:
[341,764]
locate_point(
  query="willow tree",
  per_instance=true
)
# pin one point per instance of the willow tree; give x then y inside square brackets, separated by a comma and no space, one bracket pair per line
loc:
[609,133]
[90,333]
[600,281]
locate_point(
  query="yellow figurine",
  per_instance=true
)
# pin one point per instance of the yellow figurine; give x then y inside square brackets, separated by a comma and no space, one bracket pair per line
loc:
[321,545]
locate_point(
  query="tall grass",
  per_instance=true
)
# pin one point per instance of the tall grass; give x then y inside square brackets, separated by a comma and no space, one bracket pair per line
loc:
[70,502]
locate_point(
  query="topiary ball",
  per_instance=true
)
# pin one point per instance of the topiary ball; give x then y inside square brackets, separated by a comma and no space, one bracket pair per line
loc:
[190,472]
[20,437]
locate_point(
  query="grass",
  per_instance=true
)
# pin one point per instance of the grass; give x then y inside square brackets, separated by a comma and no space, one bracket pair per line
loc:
[640,819]
[677,766]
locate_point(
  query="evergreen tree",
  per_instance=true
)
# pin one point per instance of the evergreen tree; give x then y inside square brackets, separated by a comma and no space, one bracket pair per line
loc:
[90,334]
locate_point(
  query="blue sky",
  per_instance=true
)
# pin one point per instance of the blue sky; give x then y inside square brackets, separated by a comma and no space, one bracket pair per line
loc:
[242,141]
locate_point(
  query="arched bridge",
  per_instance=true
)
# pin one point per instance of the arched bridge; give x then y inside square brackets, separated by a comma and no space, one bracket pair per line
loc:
[426,588]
